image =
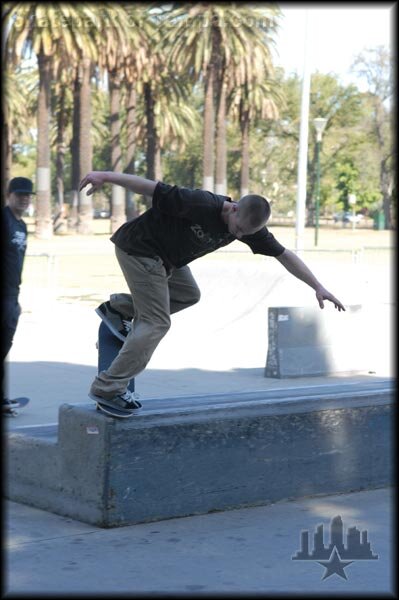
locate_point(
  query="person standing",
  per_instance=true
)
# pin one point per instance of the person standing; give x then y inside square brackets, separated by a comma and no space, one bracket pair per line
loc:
[15,233]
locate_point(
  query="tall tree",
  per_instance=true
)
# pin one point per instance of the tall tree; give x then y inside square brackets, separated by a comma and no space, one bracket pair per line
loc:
[18,87]
[41,30]
[209,40]
[74,151]
[62,116]
[375,66]
[125,38]
[131,74]
[166,119]
[250,102]
[85,212]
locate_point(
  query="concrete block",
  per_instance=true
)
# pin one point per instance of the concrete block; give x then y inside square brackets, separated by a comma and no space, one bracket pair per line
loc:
[186,456]
[304,341]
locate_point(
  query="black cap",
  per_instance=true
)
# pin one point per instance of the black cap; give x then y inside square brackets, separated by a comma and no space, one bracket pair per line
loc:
[20,185]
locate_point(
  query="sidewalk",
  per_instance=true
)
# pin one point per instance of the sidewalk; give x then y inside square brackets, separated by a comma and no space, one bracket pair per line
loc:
[245,551]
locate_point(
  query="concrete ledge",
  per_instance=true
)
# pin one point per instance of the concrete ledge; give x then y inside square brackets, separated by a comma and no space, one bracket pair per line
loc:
[185,456]
[303,342]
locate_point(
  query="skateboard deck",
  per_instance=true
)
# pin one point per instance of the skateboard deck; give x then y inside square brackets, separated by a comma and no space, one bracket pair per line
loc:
[23,401]
[108,348]
[13,410]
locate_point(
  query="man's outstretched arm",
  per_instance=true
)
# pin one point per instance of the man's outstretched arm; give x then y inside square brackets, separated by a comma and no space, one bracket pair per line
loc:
[297,267]
[139,185]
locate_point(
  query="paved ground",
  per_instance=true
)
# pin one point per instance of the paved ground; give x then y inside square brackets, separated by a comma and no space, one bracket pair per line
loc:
[232,552]
[219,345]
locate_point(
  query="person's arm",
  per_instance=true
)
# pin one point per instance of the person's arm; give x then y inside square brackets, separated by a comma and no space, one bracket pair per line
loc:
[297,267]
[139,185]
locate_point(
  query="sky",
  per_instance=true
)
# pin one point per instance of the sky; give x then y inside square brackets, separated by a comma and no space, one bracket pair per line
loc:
[337,33]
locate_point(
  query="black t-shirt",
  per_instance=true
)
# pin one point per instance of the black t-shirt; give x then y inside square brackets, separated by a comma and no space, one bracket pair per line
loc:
[184,224]
[14,242]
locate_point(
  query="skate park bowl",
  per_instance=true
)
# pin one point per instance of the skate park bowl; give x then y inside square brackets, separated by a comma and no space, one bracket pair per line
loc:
[198,454]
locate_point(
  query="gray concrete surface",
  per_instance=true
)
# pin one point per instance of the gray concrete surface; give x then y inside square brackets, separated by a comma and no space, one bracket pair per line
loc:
[219,345]
[194,455]
[233,552]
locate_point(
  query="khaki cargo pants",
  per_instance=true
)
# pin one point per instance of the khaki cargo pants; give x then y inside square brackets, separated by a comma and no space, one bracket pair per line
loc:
[155,295]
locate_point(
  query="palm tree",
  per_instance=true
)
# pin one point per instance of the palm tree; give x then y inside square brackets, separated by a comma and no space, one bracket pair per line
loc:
[209,41]
[131,102]
[239,66]
[61,120]
[74,150]
[253,96]
[167,117]
[85,218]
[42,30]
[193,49]
[62,111]
[18,87]
[126,29]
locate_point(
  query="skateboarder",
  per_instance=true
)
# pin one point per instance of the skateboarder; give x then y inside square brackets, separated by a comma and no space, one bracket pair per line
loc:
[154,250]
[20,190]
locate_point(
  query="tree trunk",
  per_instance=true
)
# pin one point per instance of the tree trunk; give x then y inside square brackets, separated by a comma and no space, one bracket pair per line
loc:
[152,137]
[244,125]
[118,216]
[44,226]
[209,129]
[131,210]
[60,220]
[221,143]
[158,163]
[150,121]
[85,219]
[75,145]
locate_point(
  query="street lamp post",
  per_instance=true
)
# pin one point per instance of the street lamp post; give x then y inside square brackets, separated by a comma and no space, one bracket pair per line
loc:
[319,124]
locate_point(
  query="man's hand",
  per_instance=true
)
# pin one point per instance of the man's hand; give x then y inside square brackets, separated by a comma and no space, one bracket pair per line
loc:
[323,294]
[297,267]
[95,178]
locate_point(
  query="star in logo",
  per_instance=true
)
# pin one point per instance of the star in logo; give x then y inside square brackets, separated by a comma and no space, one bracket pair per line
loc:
[334,565]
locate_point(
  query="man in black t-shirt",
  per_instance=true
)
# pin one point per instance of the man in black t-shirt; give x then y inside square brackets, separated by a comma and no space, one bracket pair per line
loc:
[14,239]
[154,251]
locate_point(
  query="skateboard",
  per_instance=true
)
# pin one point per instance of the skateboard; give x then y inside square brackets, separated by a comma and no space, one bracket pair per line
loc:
[13,409]
[108,348]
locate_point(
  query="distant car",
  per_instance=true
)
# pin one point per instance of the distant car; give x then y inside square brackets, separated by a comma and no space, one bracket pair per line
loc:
[347,217]
[101,213]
